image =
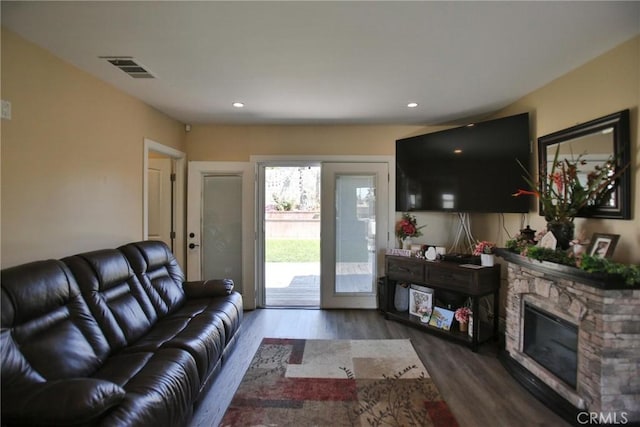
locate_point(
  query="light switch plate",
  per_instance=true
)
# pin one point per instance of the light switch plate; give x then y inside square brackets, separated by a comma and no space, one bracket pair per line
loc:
[6,110]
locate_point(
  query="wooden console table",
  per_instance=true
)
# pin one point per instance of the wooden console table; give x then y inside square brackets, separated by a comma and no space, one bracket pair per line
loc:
[444,277]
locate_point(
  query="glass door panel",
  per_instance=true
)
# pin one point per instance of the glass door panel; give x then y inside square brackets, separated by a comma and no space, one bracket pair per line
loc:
[222,227]
[354,217]
[355,233]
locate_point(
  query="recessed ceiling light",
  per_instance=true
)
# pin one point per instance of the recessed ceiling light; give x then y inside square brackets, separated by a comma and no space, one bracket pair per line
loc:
[238,104]
[457,151]
[412,104]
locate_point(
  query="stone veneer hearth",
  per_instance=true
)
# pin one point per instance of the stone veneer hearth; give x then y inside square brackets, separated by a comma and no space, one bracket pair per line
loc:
[608,321]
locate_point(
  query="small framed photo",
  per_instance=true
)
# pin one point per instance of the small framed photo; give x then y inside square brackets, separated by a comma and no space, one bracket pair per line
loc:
[441,318]
[603,245]
[420,301]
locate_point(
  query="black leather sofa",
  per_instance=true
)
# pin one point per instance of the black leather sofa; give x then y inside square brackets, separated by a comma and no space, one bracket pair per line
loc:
[114,337]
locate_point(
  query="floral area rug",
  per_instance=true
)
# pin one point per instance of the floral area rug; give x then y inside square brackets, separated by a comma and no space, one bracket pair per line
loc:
[295,382]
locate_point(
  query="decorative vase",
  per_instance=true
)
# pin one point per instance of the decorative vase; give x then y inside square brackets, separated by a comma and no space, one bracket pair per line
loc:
[563,232]
[487,260]
[463,326]
[406,243]
[401,298]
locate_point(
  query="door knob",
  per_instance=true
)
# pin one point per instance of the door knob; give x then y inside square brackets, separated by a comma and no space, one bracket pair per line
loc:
[192,245]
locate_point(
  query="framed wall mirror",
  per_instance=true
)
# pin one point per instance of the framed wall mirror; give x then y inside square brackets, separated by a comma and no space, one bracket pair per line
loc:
[597,141]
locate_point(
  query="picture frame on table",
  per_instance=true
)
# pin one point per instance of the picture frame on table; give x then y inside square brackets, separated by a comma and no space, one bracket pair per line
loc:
[602,245]
[420,297]
[441,318]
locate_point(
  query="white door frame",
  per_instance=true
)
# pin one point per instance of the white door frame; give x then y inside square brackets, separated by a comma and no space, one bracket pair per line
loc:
[197,171]
[283,160]
[330,170]
[179,195]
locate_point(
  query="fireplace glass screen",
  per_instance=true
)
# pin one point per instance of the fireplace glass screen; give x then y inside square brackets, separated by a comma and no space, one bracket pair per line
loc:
[552,342]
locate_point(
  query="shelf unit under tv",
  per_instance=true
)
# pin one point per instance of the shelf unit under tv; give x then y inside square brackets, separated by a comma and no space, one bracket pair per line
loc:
[445,278]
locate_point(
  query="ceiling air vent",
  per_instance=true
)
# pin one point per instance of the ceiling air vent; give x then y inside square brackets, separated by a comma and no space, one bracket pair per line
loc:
[129,66]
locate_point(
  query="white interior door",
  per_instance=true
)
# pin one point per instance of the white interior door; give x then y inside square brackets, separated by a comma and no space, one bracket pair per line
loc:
[220,225]
[153,149]
[160,200]
[355,205]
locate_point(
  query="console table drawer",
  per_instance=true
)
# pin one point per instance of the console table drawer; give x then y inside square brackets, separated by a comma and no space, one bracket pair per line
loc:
[399,269]
[450,278]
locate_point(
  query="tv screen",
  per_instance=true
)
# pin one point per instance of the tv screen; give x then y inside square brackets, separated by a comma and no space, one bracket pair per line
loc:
[466,169]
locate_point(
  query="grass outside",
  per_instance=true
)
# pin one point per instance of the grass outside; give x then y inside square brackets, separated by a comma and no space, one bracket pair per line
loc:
[292,250]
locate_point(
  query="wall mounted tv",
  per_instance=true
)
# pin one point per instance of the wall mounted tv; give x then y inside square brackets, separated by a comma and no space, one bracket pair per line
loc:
[465,169]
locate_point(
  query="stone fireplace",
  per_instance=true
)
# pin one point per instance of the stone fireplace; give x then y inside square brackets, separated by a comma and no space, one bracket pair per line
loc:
[589,330]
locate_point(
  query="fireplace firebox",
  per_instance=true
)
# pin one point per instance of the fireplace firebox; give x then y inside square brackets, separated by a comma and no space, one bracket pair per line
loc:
[552,342]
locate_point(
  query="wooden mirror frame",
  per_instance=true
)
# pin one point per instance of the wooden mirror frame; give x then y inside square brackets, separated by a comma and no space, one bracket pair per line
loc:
[621,150]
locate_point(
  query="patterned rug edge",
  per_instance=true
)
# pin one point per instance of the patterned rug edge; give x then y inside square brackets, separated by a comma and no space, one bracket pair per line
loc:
[319,382]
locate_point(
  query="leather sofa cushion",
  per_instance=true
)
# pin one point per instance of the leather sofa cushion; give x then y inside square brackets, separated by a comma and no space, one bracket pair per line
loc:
[76,401]
[114,294]
[159,272]
[48,332]
[161,387]
[228,309]
[202,335]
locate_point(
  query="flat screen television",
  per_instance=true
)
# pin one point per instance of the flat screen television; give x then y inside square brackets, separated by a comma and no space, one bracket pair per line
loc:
[465,169]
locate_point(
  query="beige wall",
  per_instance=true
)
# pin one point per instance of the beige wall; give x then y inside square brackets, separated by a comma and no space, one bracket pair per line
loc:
[71,157]
[605,85]
[238,143]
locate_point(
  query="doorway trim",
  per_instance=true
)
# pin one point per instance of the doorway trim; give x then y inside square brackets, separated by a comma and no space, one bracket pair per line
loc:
[260,160]
[179,201]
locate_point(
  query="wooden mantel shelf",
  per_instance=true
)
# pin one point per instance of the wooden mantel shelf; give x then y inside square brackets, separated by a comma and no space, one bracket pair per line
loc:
[597,280]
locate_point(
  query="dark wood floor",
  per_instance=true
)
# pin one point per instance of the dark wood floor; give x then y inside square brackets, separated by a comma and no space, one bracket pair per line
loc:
[475,385]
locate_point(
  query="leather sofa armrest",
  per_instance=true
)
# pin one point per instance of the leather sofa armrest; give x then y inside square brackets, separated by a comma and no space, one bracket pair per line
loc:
[208,288]
[63,402]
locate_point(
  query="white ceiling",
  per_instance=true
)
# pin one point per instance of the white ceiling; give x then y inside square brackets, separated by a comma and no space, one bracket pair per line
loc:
[328,62]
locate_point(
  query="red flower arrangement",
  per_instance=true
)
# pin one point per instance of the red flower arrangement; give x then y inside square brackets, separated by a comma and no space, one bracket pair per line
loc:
[408,227]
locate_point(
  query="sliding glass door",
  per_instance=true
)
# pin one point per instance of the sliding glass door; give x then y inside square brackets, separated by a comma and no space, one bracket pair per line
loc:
[322,230]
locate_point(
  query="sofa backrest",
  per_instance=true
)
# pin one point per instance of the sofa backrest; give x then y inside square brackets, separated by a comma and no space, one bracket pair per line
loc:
[48,332]
[159,272]
[114,294]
